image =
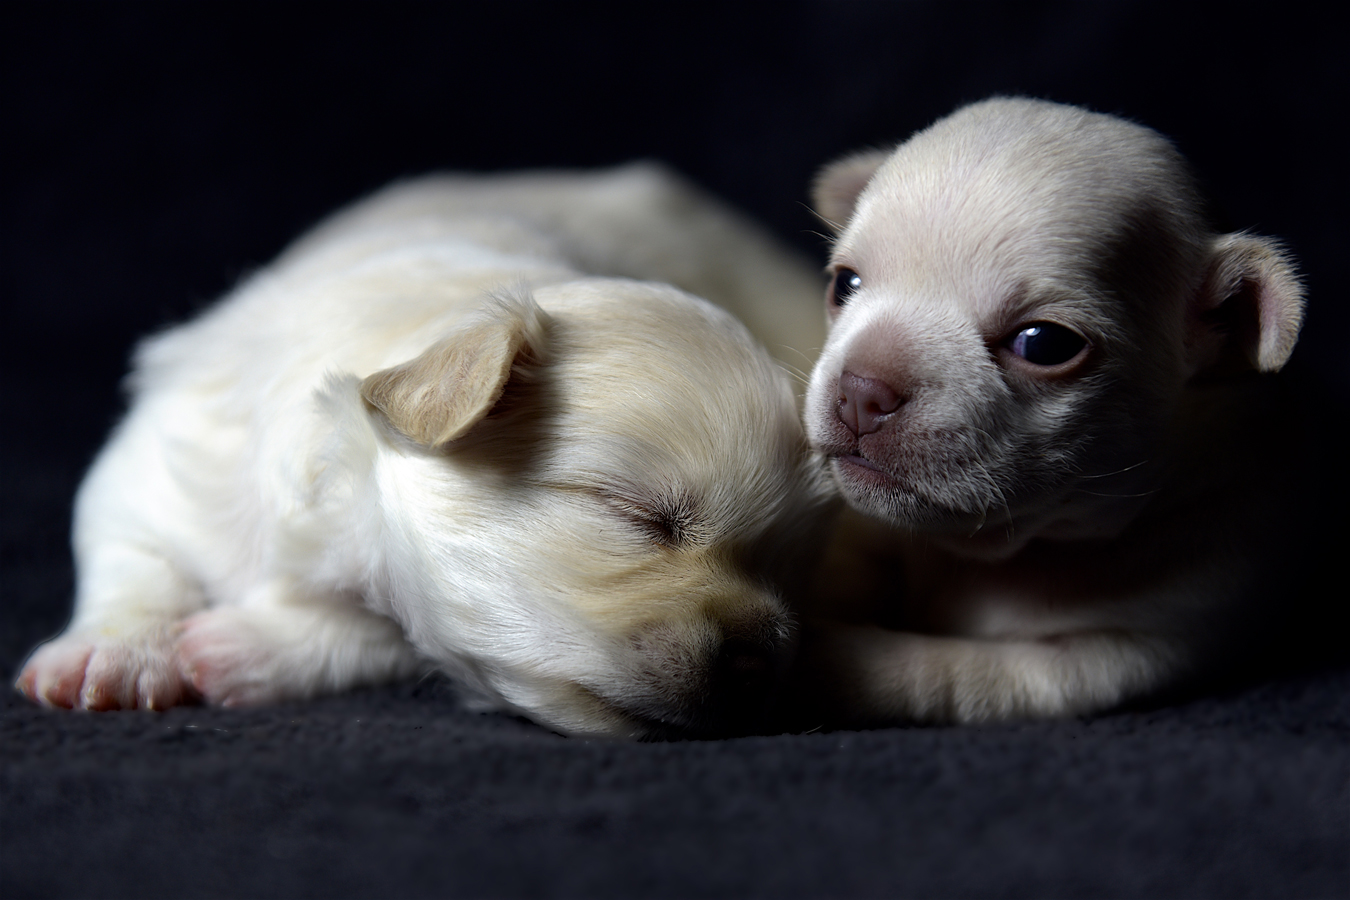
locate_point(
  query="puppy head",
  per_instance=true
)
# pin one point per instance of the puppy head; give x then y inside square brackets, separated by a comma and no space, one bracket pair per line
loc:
[597,508]
[1020,294]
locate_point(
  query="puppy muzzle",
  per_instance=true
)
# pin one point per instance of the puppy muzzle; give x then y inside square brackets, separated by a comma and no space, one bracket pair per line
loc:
[864,405]
[716,688]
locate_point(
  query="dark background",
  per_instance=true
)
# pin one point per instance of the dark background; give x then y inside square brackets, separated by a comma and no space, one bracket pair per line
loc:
[152,154]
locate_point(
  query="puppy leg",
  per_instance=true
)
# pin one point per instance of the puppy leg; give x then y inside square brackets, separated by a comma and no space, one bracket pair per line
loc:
[871,674]
[117,652]
[289,650]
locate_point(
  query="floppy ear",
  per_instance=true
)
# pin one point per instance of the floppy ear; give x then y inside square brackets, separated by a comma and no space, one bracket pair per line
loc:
[1250,306]
[442,394]
[836,189]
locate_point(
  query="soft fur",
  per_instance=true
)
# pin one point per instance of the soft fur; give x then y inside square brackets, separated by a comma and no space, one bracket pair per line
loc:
[429,435]
[1059,535]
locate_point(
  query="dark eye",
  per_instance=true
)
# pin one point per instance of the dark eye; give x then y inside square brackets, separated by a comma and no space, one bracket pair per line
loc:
[1046,344]
[846,284]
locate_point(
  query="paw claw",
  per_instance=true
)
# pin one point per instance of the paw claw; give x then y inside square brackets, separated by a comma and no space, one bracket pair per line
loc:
[104,668]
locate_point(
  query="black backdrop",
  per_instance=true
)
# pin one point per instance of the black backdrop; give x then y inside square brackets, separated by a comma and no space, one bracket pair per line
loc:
[154,153]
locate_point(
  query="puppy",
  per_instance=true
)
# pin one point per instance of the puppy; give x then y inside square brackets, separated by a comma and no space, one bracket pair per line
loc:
[431,436]
[1041,396]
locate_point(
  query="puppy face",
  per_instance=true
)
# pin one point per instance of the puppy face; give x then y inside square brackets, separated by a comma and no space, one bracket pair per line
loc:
[598,539]
[1020,293]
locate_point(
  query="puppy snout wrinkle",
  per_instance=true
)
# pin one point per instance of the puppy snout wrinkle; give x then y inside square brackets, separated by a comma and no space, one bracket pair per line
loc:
[864,403]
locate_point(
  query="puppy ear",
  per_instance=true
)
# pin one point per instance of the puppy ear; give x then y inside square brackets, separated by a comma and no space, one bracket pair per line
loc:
[442,394]
[1249,309]
[836,189]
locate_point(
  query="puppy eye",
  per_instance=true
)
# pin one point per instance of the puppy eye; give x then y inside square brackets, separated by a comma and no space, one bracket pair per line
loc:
[1046,344]
[846,283]
[665,531]
[666,520]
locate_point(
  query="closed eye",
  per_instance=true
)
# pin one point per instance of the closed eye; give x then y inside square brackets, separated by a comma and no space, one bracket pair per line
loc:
[666,530]
[668,520]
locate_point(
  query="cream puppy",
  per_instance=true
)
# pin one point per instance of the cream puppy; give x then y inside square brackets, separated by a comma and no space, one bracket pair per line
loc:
[431,436]
[1041,383]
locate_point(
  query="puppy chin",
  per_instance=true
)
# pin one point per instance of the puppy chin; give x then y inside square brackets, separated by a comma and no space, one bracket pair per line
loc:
[917,482]
[898,498]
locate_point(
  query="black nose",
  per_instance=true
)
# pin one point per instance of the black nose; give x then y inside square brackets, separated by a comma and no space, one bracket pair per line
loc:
[864,403]
[710,684]
[743,673]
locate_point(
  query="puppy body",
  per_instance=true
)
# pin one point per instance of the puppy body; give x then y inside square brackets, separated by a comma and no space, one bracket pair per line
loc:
[1040,385]
[430,435]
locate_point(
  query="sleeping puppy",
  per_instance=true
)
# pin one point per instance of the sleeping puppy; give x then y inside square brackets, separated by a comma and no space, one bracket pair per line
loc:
[1041,390]
[431,436]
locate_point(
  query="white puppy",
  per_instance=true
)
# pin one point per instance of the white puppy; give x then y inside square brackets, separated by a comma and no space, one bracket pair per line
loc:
[1042,377]
[429,436]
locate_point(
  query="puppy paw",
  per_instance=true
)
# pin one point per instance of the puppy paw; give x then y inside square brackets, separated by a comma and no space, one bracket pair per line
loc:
[244,656]
[106,667]
[230,657]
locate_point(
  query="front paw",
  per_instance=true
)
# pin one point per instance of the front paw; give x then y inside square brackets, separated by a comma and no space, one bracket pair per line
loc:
[229,657]
[104,667]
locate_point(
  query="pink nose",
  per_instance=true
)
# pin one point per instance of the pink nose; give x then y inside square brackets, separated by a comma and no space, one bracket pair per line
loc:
[864,403]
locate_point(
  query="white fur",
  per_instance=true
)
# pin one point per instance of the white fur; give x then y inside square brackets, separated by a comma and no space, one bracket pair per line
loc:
[430,436]
[1056,538]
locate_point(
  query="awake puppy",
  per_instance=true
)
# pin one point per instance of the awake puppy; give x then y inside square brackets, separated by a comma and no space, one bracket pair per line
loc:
[430,436]
[1041,382]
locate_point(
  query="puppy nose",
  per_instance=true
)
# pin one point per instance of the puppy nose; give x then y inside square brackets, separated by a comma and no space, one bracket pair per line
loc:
[865,402]
[743,673]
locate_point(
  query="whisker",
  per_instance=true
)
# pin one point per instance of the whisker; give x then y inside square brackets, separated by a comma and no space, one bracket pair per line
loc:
[816,215]
[1117,496]
[1142,462]
[801,375]
[998,496]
